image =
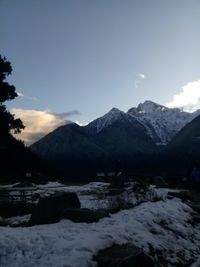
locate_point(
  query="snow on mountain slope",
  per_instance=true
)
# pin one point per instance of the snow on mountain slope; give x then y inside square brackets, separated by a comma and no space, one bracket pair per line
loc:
[99,124]
[161,123]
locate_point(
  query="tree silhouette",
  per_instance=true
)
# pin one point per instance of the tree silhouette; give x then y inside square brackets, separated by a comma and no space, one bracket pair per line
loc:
[7,92]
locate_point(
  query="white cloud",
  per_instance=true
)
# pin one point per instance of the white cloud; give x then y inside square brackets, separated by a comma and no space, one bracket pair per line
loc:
[37,123]
[80,123]
[138,79]
[20,94]
[189,97]
[141,76]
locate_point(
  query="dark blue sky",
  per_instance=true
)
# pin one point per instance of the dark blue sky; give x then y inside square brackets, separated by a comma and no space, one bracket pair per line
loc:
[87,54]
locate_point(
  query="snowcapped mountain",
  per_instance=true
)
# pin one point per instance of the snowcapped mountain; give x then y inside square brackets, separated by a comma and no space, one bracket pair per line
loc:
[118,139]
[114,140]
[161,123]
[108,119]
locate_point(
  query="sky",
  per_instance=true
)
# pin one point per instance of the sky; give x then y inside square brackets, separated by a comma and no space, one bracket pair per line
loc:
[73,60]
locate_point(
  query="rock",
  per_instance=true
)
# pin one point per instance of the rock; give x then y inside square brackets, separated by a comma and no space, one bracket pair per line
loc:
[123,256]
[84,215]
[195,206]
[2,222]
[10,208]
[196,218]
[184,195]
[160,182]
[49,209]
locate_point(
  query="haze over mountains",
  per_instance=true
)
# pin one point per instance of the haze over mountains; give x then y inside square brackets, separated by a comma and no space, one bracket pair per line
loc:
[116,139]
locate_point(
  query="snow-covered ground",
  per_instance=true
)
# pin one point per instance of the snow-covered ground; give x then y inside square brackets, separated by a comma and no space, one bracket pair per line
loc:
[154,226]
[161,228]
[95,195]
[197,263]
[17,220]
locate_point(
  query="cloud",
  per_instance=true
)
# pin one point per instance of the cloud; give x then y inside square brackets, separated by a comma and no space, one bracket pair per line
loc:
[80,123]
[141,76]
[67,114]
[189,97]
[20,94]
[138,79]
[38,123]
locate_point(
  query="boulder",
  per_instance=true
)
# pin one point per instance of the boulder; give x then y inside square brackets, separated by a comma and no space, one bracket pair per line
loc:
[2,222]
[10,208]
[84,215]
[160,182]
[123,256]
[183,194]
[194,206]
[50,209]
[196,218]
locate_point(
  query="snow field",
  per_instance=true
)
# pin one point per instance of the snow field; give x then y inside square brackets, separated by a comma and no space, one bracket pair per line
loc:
[163,225]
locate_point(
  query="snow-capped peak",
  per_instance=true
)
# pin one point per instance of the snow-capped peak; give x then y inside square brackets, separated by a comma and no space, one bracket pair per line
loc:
[161,123]
[149,107]
[113,111]
[106,120]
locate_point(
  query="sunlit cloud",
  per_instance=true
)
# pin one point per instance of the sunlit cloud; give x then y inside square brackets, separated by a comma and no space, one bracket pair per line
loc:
[189,97]
[37,123]
[138,79]
[80,123]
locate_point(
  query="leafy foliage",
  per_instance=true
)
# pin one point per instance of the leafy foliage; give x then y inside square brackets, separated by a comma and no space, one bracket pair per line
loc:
[7,92]
[15,159]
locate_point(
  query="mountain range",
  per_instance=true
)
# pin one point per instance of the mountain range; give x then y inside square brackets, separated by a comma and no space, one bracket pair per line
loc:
[117,139]
[161,123]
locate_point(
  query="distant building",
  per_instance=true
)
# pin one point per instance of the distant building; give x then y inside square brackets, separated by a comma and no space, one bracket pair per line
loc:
[101,174]
[107,176]
[28,175]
